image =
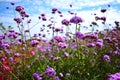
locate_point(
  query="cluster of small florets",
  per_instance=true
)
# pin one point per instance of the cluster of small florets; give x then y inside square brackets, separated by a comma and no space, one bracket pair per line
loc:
[34,42]
[115,76]
[76,20]
[59,38]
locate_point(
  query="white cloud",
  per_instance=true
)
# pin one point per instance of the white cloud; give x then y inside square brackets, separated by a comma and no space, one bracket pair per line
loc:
[5,19]
[118,1]
[77,4]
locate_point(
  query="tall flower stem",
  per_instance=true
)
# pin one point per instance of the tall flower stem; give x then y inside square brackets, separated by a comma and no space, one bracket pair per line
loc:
[53,41]
[29,28]
[76,37]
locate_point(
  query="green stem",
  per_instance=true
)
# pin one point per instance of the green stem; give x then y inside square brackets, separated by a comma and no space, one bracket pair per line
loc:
[29,28]
[76,37]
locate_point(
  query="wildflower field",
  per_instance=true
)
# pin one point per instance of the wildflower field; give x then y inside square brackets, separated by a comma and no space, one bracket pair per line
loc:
[68,55]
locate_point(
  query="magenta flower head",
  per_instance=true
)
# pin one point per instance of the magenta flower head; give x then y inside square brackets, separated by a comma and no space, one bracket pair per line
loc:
[26,15]
[56,78]
[19,8]
[57,29]
[91,44]
[37,76]
[117,23]
[106,58]
[42,15]
[79,35]
[76,20]
[34,43]
[18,20]
[54,10]
[59,38]
[65,22]
[91,35]
[94,23]
[17,55]
[103,18]
[11,59]
[50,72]
[68,74]
[100,40]
[62,45]
[103,10]
[12,3]
[115,76]
[5,45]
[99,43]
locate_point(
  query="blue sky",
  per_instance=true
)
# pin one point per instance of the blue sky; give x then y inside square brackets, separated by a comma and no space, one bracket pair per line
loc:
[83,8]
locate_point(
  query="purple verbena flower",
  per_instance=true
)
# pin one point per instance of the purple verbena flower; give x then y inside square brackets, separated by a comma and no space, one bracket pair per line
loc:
[11,59]
[59,38]
[50,72]
[94,23]
[62,45]
[115,76]
[91,44]
[19,8]
[12,3]
[17,55]
[91,35]
[54,10]
[57,29]
[99,43]
[5,45]
[103,18]
[27,30]
[28,67]
[43,15]
[117,23]
[26,15]
[34,42]
[2,37]
[65,22]
[100,40]
[79,35]
[76,20]
[67,74]
[103,10]
[44,18]
[59,12]
[106,58]
[37,76]
[18,20]
[56,78]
